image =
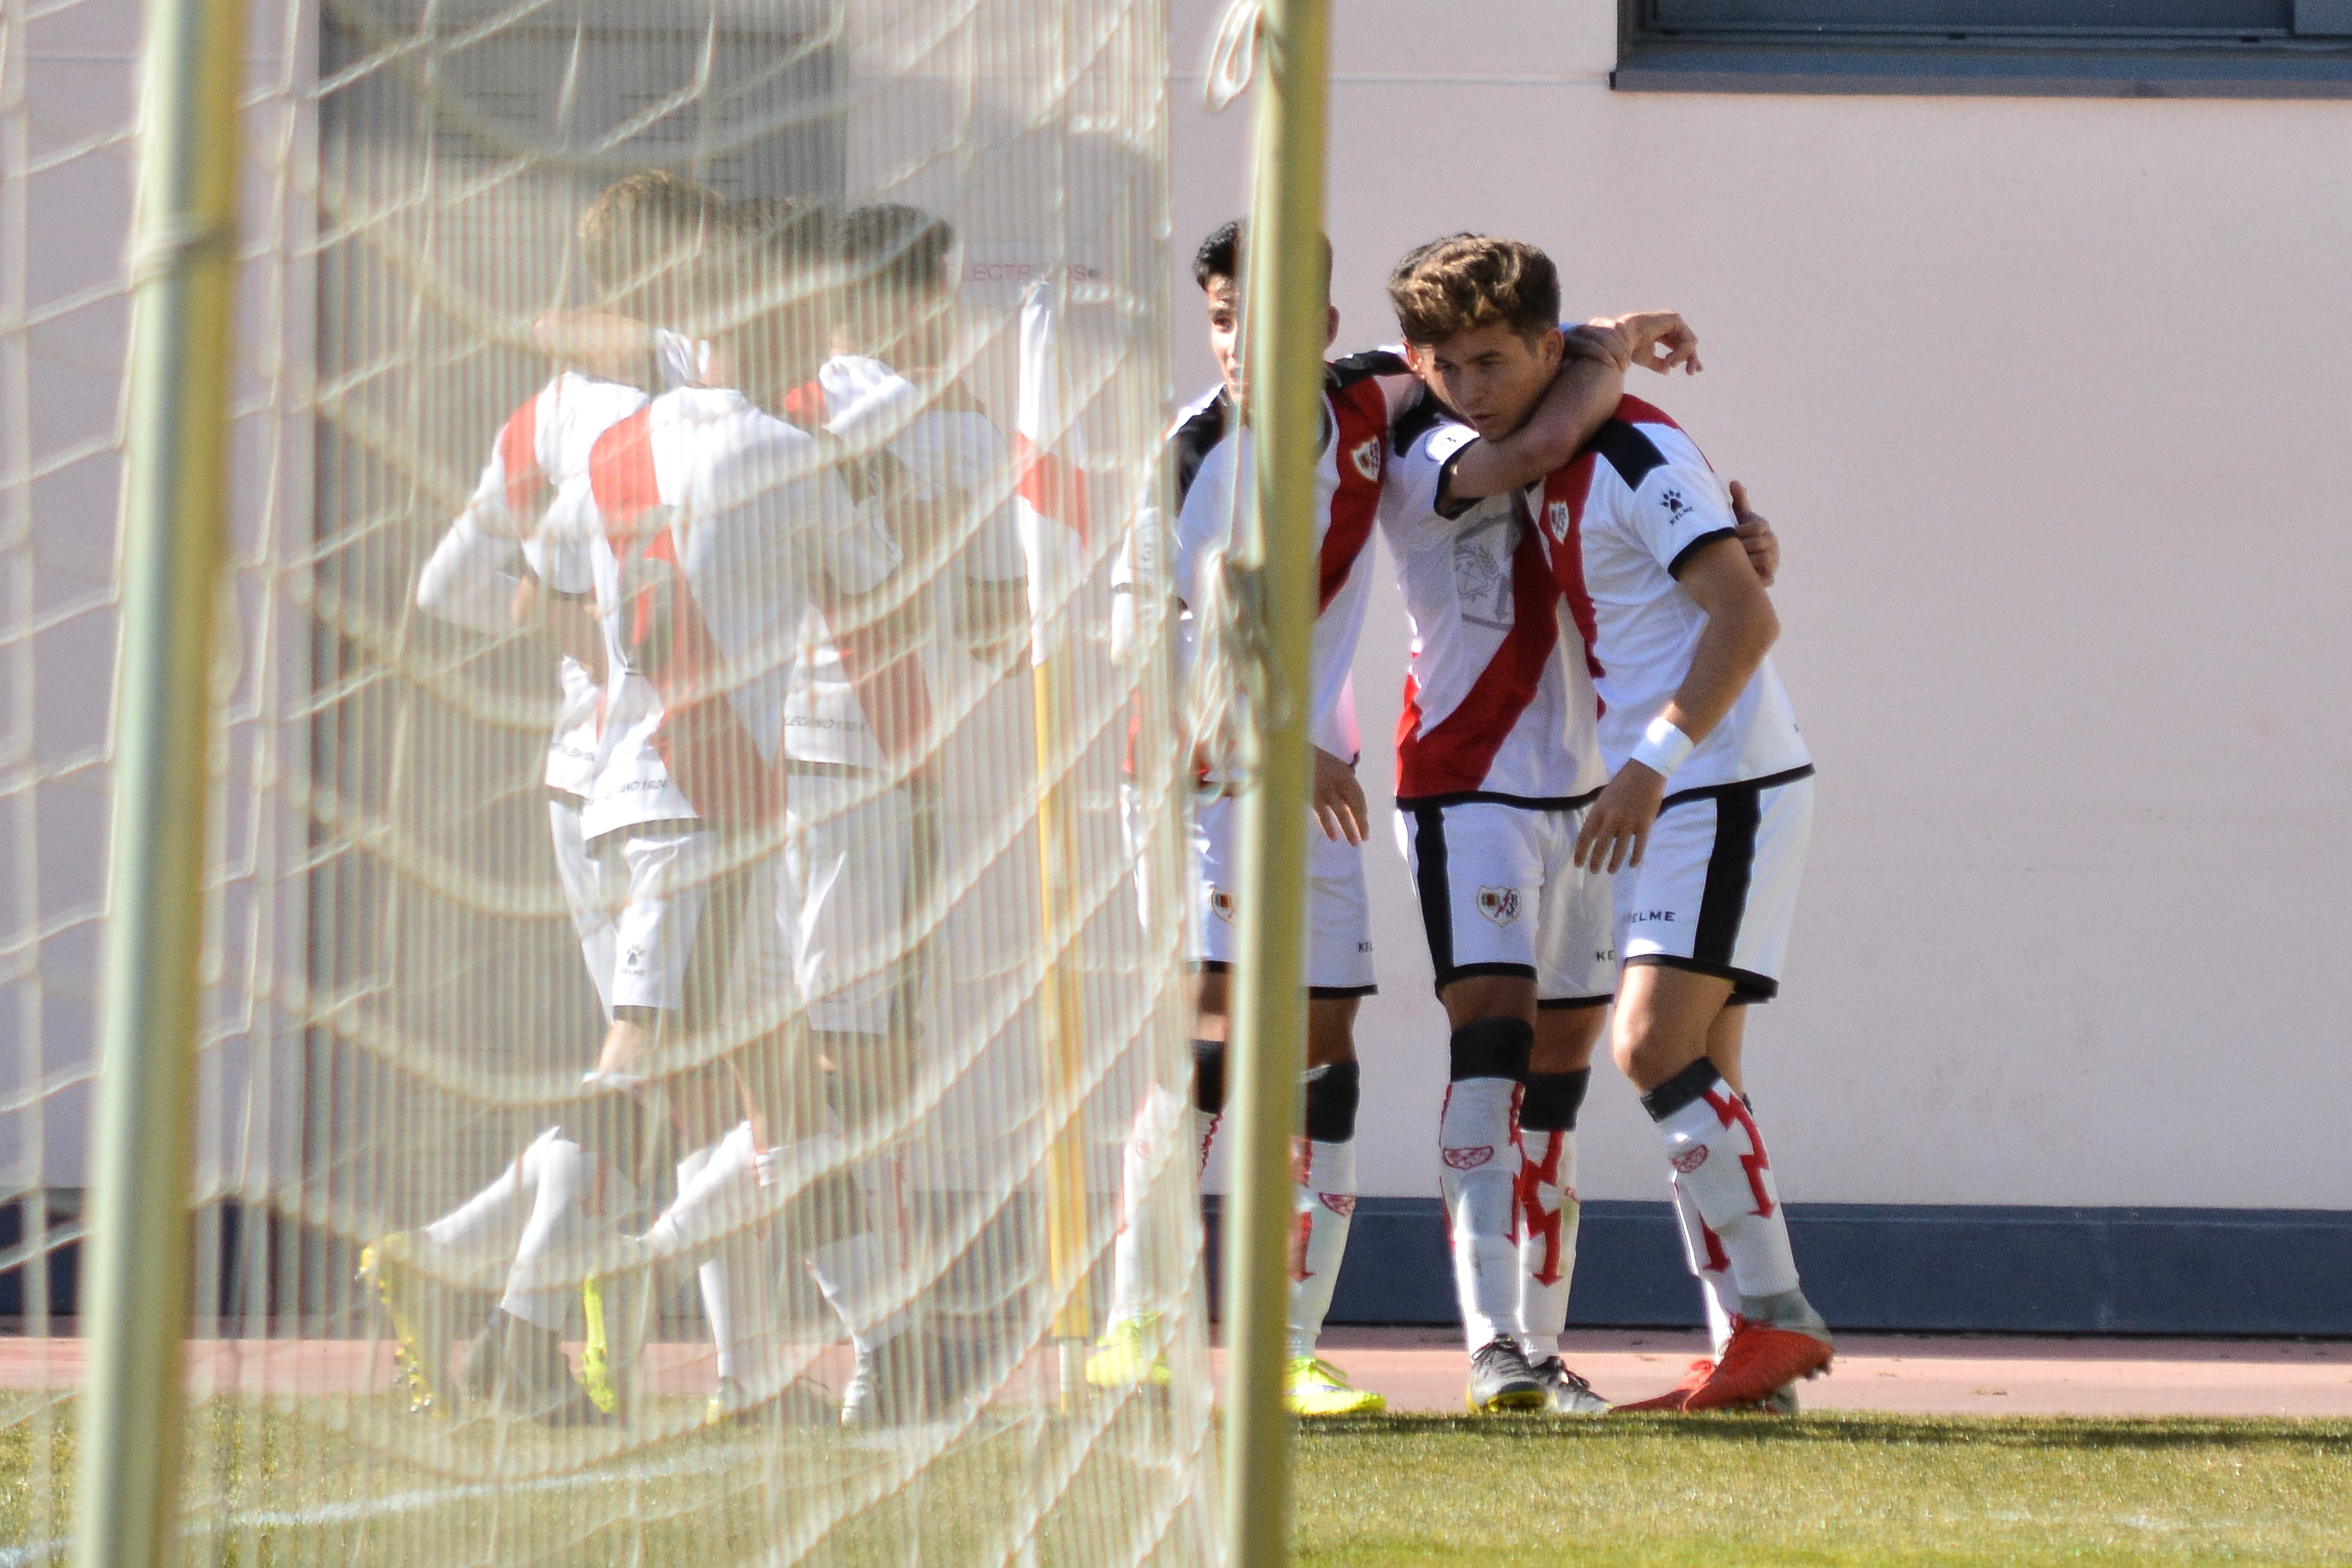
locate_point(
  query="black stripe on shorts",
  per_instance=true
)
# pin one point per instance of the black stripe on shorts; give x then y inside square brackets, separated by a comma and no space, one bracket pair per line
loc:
[1429,876]
[1730,868]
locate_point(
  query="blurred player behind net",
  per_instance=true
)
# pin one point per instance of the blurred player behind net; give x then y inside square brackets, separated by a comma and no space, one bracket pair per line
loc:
[640,240]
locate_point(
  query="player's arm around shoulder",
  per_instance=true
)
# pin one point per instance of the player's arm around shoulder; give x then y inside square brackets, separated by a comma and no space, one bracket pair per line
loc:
[1689,527]
[1584,395]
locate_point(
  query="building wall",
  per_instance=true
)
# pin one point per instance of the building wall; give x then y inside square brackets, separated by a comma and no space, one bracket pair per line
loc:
[2049,401]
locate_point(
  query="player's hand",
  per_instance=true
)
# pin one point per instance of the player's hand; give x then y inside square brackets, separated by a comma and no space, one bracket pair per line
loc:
[1617,825]
[1755,537]
[1602,341]
[1339,805]
[1662,341]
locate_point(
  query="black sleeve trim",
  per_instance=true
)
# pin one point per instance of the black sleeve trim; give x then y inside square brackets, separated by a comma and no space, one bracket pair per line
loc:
[1682,556]
[1424,414]
[1345,372]
[1453,507]
[1631,453]
[1192,442]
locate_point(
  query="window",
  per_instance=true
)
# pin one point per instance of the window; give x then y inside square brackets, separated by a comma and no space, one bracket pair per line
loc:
[2128,48]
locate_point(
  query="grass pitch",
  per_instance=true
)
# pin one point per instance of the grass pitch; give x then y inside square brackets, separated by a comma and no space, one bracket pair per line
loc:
[1425,1492]
[1408,1491]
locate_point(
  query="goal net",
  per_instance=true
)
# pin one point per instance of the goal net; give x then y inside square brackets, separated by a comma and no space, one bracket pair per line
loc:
[687,940]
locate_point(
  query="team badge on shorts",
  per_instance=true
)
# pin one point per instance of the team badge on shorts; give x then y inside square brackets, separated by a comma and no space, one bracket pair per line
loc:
[1499,904]
[1469,1159]
[1689,1160]
[1221,905]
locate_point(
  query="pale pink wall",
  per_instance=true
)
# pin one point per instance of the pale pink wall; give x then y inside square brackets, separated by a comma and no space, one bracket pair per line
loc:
[2052,401]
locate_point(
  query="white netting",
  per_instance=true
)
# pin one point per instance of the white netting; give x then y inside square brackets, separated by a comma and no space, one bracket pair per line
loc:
[831,873]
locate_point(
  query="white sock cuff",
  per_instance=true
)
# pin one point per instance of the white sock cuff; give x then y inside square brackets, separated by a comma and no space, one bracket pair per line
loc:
[1331,1167]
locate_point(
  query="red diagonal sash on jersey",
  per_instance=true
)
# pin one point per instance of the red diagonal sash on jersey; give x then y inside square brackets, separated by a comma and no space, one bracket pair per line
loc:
[1053,487]
[1453,756]
[702,738]
[1565,492]
[1360,441]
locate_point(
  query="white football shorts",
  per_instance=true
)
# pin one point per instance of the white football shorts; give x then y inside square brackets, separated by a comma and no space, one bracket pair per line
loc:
[1339,910]
[692,936]
[1717,887]
[848,858]
[575,868]
[1500,895]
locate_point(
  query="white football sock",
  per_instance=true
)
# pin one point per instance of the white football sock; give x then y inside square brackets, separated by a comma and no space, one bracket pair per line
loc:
[718,1194]
[1160,1122]
[1479,1186]
[547,1264]
[489,1223]
[856,1277]
[1719,1160]
[1549,1213]
[1325,1199]
[739,1298]
[1704,1252]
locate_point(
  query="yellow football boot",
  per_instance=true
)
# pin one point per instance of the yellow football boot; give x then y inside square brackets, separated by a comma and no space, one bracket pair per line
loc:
[1312,1386]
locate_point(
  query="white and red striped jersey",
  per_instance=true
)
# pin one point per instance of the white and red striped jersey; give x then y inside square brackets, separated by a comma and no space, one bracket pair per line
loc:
[1618,523]
[1495,705]
[944,439]
[722,529]
[472,576]
[1348,478]
[936,444]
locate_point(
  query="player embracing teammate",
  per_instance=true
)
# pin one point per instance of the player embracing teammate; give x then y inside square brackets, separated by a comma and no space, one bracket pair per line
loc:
[1702,821]
[1483,759]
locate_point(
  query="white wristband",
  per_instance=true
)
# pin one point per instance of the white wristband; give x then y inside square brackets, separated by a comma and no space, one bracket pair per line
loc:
[1663,747]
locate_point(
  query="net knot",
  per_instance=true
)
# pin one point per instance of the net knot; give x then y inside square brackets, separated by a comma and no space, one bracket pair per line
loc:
[1233,53]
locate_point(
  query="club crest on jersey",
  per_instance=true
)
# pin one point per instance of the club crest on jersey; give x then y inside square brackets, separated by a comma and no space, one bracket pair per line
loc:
[1469,1159]
[1499,904]
[1342,1204]
[1367,458]
[1556,522]
[1689,1160]
[1221,905]
[1482,573]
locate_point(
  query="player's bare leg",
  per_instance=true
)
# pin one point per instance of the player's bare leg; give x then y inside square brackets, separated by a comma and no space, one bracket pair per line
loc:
[1672,1024]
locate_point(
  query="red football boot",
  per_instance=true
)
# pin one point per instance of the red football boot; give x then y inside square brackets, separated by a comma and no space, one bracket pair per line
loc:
[1760,1362]
[1672,1399]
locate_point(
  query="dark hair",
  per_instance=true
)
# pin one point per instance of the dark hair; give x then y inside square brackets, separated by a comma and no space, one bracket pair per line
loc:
[1220,256]
[797,234]
[1463,282]
[642,232]
[901,248]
